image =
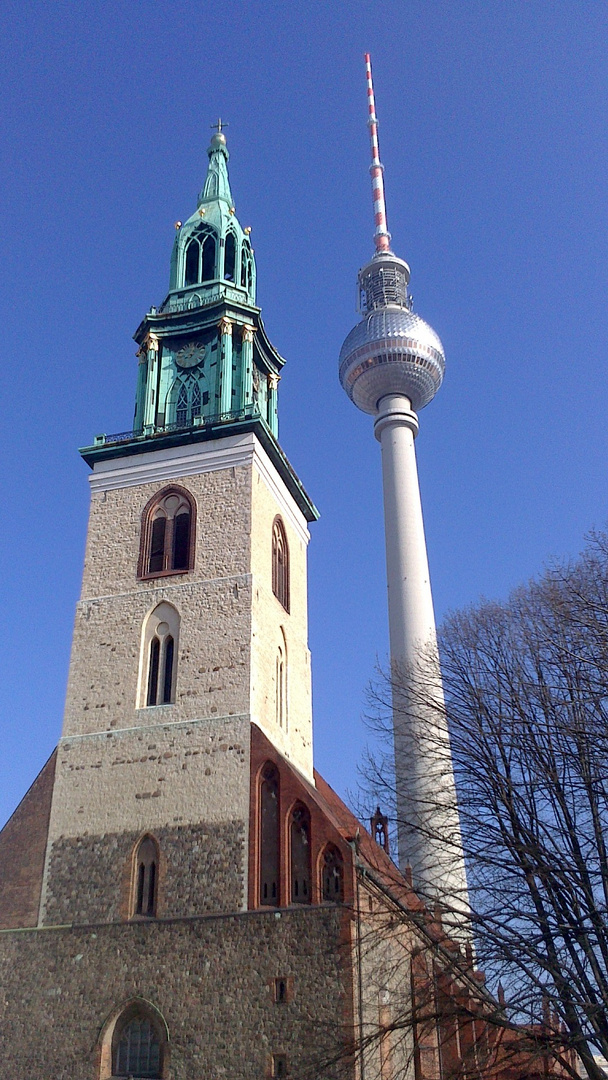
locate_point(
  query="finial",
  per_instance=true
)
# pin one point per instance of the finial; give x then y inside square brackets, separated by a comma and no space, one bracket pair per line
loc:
[219,139]
[382,237]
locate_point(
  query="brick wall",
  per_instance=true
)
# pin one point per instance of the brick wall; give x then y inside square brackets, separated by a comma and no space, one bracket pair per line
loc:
[22,847]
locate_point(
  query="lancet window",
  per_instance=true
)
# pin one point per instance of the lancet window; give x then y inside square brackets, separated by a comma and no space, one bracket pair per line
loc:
[200,258]
[269,836]
[146,877]
[167,535]
[230,257]
[280,563]
[332,871]
[299,850]
[158,674]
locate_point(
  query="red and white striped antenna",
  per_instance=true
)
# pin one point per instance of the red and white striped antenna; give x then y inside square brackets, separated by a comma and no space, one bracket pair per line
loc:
[382,237]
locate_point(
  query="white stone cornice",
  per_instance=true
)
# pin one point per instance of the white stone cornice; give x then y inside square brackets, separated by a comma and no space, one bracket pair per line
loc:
[171,463]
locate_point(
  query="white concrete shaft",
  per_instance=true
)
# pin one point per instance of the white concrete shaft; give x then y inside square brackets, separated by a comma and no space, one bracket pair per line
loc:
[428,826]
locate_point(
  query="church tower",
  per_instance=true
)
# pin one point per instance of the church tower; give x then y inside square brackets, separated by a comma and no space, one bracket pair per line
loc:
[182,897]
[192,621]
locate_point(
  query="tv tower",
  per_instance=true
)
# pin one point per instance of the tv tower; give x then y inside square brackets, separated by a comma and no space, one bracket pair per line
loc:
[391,366]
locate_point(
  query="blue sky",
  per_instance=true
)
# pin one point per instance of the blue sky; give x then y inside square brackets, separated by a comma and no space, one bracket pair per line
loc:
[493,135]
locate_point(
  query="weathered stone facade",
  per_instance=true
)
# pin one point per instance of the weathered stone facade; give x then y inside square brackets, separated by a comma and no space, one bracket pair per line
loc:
[210,978]
[90,878]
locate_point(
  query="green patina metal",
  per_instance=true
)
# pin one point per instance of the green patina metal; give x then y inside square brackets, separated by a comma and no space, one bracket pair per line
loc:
[206,364]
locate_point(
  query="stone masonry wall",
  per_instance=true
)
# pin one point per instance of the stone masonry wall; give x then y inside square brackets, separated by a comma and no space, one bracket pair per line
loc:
[273,626]
[131,782]
[211,979]
[90,877]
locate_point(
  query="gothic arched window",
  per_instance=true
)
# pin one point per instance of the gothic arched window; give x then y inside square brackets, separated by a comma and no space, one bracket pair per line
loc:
[138,1047]
[230,257]
[299,850]
[269,836]
[158,665]
[145,886]
[167,535]
[193,254]
[200,258]
[208,260]
[280,563]
[185,400]
[332,875]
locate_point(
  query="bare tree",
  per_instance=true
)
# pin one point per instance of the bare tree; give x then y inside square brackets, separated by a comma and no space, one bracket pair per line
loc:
[526,703]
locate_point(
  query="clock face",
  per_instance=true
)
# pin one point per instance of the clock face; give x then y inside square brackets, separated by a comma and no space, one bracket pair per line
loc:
[190,355]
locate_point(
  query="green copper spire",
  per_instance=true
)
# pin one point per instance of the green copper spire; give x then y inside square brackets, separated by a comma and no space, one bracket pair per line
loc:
[206,366]
[217,184]
[212,251]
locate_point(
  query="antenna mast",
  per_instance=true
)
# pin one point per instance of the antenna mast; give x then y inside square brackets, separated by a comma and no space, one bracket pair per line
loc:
[382,237]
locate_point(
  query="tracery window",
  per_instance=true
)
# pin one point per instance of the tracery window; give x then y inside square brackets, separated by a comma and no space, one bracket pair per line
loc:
[167,535]
[299,849]
[280,563]
[200,258]
[185,401]
[146,877]
[269,836]
[158,666]
[332,871]
[137,1052]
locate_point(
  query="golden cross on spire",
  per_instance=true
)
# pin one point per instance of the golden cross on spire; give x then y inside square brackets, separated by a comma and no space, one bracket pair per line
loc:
[219,126]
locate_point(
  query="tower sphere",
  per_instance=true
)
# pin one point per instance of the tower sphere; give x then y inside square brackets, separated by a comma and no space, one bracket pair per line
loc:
[392,350]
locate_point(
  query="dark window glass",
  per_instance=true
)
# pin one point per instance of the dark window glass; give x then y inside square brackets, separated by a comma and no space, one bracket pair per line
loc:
[196,400]
[153,676]
[333,876]
[269,837]
[151,888]
[249,275]
[138,1051]
[229,257]
[157,545]
[181,412]
[192,260]
[141,879]
[168,676]
[279,1065]
[300,856]
[181,541]
[243,269]
[145,900]
[208,259]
